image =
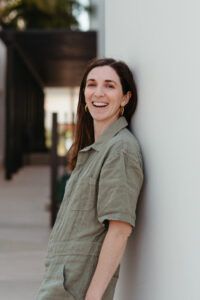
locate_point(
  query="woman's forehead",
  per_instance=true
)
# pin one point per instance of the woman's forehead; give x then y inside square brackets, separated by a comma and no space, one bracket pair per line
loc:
[103,73]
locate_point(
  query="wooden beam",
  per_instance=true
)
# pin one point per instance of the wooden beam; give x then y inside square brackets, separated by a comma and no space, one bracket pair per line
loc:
[29,65]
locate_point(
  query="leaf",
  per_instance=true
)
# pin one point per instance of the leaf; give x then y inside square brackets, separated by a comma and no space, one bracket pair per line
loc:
[41,13]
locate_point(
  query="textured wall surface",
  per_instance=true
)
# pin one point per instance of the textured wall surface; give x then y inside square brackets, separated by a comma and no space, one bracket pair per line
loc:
[161,42]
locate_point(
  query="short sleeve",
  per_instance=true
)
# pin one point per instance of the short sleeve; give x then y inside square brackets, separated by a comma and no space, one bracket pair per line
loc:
[120,183]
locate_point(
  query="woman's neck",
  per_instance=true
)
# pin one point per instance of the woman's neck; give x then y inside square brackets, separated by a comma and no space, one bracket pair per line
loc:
[100,127]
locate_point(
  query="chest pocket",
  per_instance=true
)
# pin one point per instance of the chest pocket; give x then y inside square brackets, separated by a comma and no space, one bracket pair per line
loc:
[83,196]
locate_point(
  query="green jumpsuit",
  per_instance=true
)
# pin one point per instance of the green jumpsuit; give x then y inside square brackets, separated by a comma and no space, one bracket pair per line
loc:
[104,185]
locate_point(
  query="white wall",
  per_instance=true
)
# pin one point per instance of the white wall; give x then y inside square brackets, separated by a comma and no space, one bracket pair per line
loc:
[161,42]
[2,98]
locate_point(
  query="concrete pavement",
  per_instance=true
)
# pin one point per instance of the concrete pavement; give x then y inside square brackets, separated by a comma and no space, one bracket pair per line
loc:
[24,232]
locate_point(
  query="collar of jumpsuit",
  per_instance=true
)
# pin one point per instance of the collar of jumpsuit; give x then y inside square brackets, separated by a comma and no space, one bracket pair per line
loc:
[108,133]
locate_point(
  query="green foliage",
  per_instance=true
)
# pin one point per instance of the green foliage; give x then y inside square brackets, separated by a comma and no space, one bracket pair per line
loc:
[46,14]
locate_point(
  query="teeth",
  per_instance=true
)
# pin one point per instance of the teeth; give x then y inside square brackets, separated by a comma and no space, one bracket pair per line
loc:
[100,104]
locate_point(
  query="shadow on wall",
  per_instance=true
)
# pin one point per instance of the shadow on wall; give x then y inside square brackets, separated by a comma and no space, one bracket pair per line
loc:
[129,281]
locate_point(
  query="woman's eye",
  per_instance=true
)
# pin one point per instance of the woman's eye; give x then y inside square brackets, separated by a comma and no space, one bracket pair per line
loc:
[110,86]
[90,84]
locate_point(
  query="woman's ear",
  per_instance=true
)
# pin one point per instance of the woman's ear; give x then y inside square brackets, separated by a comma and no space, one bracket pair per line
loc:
[127,97]
[129,94]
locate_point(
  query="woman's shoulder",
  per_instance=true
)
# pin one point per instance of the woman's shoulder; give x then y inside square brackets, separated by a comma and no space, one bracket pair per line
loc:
[126,142]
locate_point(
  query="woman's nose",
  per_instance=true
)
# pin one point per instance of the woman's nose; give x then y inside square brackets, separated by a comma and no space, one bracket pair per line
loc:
[99,91]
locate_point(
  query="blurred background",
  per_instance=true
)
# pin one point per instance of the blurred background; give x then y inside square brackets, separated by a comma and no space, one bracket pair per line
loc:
[44,48]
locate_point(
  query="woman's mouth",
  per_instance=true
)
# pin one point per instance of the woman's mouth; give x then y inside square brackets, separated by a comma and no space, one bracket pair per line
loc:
[99,104]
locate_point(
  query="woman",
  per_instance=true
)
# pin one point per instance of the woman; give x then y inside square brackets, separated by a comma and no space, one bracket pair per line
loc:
[97,214]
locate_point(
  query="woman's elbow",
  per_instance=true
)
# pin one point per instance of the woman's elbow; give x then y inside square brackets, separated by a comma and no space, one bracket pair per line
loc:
[120,228]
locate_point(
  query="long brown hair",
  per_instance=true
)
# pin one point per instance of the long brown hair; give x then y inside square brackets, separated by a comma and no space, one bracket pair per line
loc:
[84,130]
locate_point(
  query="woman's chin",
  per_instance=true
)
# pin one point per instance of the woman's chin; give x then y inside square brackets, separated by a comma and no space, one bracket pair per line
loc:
[104,119]
[99,117]
[104,116]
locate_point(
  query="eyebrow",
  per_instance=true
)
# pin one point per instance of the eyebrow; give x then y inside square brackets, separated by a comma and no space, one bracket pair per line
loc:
[107,80]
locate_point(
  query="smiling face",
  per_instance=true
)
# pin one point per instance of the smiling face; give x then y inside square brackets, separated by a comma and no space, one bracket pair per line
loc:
[104,95]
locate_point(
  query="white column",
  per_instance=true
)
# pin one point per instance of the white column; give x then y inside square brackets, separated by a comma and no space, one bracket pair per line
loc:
[97,22]
[161,42]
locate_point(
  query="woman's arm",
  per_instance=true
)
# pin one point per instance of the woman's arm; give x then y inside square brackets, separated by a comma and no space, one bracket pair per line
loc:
[110,256]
